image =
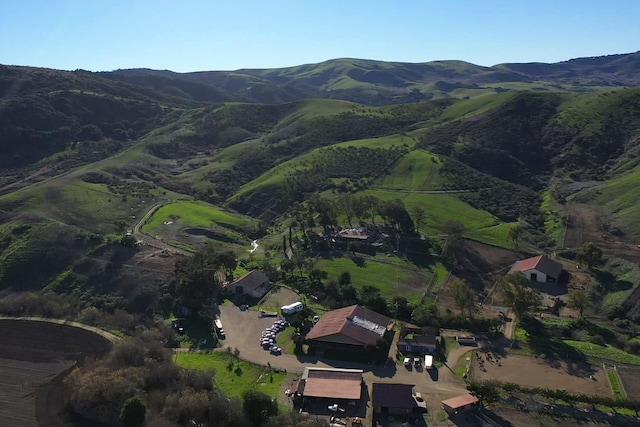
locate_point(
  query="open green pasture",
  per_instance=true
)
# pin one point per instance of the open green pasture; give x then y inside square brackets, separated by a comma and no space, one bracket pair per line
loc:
[442,207]
[392,275]
[314,108]
[417,170]
[75,202]
[619,197]
[481,103]
[243,375]
[197,214]
[606,352]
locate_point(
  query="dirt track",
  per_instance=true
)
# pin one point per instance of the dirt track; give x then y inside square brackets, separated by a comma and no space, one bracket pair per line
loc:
[32,355]
[537,372]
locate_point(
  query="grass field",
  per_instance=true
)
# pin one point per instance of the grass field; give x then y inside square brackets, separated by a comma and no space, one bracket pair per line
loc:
[616,385]
[417,170]
[442,207]
[618,196]
[391,275]
[604,352]
[197,214]
[230,382]
[571,349]
[554,218]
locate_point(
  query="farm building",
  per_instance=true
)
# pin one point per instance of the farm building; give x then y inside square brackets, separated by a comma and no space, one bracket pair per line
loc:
[396,399]
[330,383]
[350,328]
[458,404]
[418,344]
[254,284]
[538,269]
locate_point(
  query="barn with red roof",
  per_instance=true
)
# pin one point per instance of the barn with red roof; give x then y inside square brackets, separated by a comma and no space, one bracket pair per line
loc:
[351,328]
[539,269]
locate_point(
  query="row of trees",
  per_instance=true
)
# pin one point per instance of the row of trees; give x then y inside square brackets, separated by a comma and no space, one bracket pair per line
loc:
[492,391]
[356,208]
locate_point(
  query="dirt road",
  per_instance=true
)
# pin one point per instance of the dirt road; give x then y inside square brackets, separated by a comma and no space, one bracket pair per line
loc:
[243,330]
[150,240]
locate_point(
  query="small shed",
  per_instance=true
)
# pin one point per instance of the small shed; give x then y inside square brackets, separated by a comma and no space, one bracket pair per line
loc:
[539,269]
[254,284]
[418,344]
[462,403]
[397,399]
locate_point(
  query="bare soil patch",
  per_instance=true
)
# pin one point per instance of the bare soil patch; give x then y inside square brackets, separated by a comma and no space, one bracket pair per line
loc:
[583,227]
[630,377]
[535,372]
[482,264]
[278,297]
[32,355]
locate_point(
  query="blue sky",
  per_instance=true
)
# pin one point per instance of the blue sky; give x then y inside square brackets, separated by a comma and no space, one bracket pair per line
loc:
[224,34]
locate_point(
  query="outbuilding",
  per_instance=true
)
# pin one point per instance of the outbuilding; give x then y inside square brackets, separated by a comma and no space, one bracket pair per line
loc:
[539,269]
[254,284]
[459,404]
[397,399]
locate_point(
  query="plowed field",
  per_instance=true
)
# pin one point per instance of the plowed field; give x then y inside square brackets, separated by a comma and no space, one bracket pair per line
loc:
[32,356]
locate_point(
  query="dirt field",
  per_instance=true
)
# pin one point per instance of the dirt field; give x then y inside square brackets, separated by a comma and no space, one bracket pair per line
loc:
[583,227]
[630,377]
[279,297]
[482,264]
[533,372]
[32,355]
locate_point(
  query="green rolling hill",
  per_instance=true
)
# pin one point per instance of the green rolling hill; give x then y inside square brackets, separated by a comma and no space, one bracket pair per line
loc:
[82,150]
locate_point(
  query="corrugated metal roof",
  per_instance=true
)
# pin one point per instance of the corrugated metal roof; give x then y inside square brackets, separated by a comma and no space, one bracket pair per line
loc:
[355,322]
[333,384]
[460,401]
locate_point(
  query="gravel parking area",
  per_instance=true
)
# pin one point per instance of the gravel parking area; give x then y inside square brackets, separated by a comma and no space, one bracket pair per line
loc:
[243,330]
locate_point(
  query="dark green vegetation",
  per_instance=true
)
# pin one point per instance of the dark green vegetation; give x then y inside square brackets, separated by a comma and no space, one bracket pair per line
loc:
[103,150]
[139,382]
[397,154]
[379,83]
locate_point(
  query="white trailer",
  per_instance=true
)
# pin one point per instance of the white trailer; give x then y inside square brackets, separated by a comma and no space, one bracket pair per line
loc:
[428,361]
[292,308]
[219,330]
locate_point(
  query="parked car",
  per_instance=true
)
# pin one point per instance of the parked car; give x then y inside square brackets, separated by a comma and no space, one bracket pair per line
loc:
[275,351]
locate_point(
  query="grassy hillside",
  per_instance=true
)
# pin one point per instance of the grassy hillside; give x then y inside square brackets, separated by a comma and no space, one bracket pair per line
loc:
[381,83]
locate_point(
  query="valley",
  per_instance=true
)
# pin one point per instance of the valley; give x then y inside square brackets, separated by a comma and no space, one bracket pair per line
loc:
[131,199]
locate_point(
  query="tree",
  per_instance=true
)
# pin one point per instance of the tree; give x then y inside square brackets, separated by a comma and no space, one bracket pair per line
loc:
[120,225]
[418,217]
[486,391]
[454,228]
[453,249]
[464,296]
[196,278]
[425,313]
[589,255]
[345,278]
[133,412]
[258,407]
[578,300]
[515,233]
[518,295]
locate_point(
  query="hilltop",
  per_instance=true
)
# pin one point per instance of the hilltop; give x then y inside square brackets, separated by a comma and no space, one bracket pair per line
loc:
[380,83]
